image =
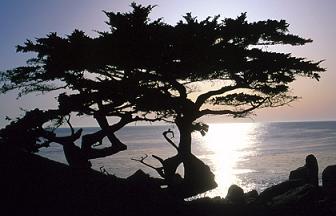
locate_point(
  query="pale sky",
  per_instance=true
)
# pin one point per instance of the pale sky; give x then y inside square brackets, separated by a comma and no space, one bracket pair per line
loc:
[315,19]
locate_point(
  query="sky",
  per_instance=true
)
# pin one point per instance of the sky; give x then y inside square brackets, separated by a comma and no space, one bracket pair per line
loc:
[315,19]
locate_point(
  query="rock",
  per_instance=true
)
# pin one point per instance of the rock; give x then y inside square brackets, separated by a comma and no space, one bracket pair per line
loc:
[308,173]
[251,196]
[198,177]
[267,195]
[329,181]
[141,179]
[139,175]
[305,194]
[235,195]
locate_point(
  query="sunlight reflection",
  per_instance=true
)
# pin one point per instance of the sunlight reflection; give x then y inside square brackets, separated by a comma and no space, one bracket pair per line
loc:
[230,143]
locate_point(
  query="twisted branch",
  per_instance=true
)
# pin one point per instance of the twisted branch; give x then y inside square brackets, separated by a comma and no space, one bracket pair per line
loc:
[165,133]
[159,170]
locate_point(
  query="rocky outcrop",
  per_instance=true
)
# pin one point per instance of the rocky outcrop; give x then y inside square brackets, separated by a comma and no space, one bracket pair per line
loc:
[298,195]
[140,179]
[297,188]
[32,185]
[251,196]
[308,174]
[235,195]
[270,193]
[329,181]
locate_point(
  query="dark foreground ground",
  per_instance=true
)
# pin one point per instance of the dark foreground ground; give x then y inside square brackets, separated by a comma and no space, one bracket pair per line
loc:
[32,185]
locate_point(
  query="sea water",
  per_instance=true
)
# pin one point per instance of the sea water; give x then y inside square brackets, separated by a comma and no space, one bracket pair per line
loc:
[251,155]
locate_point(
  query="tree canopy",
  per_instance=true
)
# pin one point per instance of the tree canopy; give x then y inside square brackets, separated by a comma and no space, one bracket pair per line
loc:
[148,70]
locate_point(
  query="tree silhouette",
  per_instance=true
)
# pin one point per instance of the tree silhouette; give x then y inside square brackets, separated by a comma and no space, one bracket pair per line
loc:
[150,70]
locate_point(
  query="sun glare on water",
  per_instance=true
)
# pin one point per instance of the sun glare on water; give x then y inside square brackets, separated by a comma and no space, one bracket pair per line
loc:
[229,144]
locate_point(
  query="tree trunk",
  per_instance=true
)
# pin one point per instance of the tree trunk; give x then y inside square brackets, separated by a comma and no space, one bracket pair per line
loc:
[184,127]
[184,150]
[198,177]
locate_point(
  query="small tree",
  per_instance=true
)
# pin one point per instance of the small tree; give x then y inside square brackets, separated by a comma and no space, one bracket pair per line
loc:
[150,70]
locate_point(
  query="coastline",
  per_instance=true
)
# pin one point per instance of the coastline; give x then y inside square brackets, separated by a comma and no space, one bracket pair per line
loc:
[33,185]
[253,156]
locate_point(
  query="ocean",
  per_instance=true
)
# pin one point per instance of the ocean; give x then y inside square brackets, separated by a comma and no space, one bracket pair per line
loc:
[251,155]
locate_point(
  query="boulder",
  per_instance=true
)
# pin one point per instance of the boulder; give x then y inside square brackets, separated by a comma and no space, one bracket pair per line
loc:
[139,176]
[251,196]
[235,195]
[308,173]
[198,177]
[329,181]
[268,195]
[305,194]
[140,179]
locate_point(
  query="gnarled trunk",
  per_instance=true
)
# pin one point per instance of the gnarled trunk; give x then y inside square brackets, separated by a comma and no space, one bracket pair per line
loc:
[185,129]
[198,177]
[109,133]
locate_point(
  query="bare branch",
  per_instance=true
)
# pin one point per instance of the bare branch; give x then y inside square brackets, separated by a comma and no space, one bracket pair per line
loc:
[103,170]
[158,158]
[165,133]
[159,170]
[69,123]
